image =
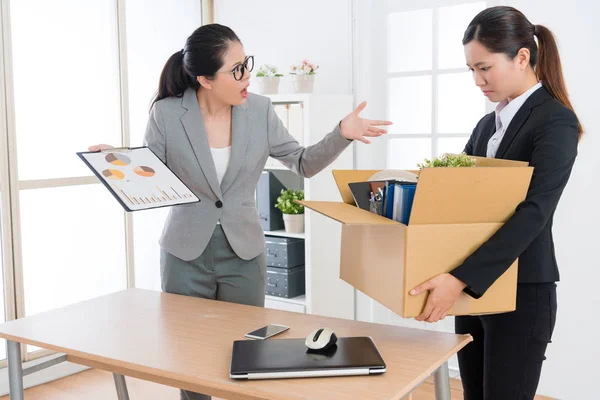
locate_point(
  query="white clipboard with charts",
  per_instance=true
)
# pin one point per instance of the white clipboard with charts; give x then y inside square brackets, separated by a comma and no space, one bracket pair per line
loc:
[137,178]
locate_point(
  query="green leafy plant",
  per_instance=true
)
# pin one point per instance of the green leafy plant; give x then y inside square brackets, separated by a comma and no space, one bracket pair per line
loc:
[267,70]
[287,201]
[449,160]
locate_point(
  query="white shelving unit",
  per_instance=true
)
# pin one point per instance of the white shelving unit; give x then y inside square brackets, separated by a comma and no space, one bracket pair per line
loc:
[309,118]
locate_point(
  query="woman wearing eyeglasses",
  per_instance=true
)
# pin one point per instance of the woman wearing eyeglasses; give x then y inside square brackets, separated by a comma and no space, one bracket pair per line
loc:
[217,137]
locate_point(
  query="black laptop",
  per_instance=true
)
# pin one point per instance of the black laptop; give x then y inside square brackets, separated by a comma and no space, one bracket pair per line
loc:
[290,358]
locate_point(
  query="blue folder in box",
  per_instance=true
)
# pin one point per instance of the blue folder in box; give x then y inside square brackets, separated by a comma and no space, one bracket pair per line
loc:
[402,199]
[388,202]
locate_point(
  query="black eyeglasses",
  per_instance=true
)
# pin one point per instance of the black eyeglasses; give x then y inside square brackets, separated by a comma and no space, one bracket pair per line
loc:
[240,70]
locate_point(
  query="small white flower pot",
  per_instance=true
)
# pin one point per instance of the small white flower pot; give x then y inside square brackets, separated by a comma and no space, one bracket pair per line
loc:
[303,83]
[294,223]
[268,84]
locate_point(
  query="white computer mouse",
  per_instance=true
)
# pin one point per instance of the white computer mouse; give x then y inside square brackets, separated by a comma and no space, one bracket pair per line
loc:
[321,339]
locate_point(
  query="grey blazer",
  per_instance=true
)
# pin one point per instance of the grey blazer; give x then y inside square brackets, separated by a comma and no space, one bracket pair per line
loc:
[176,134]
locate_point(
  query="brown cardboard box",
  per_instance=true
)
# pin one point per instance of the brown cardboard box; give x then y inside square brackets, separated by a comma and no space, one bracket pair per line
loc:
[454,211]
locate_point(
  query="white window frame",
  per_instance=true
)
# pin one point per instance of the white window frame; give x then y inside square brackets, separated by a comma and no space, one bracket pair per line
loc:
[10,185]
[435,72]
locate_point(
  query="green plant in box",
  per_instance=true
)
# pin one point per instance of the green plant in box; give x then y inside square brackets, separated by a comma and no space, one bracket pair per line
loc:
[287,201]
[449,160]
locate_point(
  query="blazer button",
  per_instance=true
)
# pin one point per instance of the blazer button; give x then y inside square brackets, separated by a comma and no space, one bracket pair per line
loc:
[219,204]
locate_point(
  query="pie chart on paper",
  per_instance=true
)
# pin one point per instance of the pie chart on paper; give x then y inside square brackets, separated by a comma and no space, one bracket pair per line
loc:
[113,174]
[117,159]
[146,172]
[138,179]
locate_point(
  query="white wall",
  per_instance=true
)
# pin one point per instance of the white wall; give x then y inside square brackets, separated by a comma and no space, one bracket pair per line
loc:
[571,370]
[286,32]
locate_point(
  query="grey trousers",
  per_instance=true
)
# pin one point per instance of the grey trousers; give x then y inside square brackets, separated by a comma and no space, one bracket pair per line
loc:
[217,274]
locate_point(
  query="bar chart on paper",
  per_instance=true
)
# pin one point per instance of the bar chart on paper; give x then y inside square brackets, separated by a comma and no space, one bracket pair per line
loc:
[134,197]
[137,178]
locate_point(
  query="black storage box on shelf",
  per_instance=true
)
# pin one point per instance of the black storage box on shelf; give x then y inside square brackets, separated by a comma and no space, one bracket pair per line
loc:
[285,282]
[284,252]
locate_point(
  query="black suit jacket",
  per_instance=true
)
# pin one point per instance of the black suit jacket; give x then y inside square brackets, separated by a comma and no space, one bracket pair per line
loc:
[545,134]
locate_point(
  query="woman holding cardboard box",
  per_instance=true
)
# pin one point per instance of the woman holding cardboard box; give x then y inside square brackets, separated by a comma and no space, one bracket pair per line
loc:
[534,122]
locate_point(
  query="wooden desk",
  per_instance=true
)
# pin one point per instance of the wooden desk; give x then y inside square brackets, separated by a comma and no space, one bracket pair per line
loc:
[186,342]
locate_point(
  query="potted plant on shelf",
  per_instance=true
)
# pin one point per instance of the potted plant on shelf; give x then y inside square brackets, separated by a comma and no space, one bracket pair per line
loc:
[293,212]
[303,76]
[268,79]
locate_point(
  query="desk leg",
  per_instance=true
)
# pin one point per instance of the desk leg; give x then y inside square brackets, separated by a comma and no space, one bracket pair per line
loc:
[121,387]
[441,379]
[15,370]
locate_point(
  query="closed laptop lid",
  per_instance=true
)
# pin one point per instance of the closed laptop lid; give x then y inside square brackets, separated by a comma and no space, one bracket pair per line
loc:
[289,355]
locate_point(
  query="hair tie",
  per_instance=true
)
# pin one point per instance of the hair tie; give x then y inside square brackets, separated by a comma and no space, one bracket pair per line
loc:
[535,30]
[182,52]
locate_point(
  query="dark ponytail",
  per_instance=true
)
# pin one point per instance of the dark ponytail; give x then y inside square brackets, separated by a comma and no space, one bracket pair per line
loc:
[549,68]
[202,56]
[506,30]
[173,78]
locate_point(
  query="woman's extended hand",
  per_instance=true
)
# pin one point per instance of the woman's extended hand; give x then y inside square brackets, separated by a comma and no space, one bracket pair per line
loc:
[356,128]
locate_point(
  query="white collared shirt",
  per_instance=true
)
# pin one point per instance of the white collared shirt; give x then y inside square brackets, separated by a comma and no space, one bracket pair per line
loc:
[505,112]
